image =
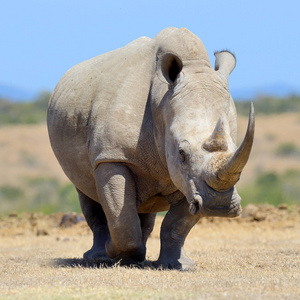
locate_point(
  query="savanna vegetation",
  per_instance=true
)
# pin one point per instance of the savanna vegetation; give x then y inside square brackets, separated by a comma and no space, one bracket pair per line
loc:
[270,105]
[47,194]
[39,194]
[273,188]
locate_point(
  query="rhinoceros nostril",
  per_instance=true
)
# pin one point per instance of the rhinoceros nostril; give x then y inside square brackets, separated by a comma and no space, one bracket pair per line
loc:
[196,205]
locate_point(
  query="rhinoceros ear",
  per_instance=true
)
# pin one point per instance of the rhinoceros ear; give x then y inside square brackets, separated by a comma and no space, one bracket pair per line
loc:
[170,66]
[224,64]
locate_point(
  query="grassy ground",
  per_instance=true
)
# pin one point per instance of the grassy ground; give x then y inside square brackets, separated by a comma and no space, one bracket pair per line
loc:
[236,259]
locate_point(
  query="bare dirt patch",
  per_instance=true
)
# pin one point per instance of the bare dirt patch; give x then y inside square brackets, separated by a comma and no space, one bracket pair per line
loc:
[256,256]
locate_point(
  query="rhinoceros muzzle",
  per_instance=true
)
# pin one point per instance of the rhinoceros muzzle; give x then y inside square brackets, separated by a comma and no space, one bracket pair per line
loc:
[218,196]
[217,204]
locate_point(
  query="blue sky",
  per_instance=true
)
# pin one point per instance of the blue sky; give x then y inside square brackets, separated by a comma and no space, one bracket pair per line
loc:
[41,40]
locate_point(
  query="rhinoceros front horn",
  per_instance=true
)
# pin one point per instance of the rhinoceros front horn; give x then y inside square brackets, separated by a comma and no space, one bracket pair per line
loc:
[227,173]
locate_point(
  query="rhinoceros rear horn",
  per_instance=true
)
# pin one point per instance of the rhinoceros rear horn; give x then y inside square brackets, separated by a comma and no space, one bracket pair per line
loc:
[224,64]
[171,66]
[217,141]
[227,175]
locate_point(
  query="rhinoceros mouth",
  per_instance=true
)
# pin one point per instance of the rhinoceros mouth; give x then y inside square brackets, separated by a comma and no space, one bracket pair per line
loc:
[213,203]
[232,210]
[227,207]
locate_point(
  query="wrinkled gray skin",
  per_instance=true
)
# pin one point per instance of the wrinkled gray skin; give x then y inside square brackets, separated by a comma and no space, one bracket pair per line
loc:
[147,128]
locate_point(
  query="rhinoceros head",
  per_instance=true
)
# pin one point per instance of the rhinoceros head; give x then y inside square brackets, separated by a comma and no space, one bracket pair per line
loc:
[199,123]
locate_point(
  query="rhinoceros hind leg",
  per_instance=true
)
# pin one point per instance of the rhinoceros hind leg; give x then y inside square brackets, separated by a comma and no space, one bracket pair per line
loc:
[147,224]
[175,227]
[96,220]
[117,195]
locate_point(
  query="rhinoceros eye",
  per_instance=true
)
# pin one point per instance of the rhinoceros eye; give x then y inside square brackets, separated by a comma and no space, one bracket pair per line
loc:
[184,151]
[181,155]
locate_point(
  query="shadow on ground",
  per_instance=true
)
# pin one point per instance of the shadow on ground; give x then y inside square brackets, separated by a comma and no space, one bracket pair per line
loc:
[80,262]
[105,263]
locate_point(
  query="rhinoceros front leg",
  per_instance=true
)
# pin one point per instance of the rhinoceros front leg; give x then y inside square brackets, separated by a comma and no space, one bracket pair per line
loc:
[96,220]
[117,195]
[175,227]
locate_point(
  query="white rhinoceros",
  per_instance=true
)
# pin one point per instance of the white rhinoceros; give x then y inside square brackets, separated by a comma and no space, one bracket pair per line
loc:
[146,128]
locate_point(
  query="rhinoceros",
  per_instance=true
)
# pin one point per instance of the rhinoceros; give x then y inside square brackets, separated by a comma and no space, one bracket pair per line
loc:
[146,128]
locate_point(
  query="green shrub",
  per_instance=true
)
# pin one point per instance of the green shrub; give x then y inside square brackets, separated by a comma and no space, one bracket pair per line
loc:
[273,189]
[287,149]
[10,193]
[24,112]
[45,195]
[68,197]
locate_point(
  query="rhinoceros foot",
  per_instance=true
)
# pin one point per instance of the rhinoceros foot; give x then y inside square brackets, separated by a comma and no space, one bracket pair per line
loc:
[182,264]
[95,254]
[132,257]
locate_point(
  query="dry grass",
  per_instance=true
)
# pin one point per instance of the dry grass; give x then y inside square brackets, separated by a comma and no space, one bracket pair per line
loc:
[236,259]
